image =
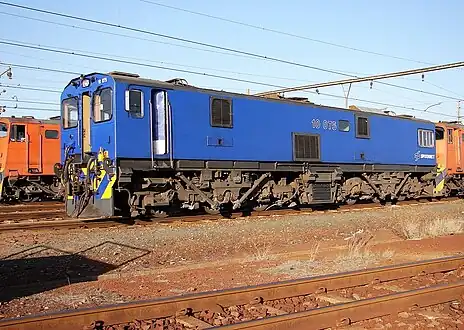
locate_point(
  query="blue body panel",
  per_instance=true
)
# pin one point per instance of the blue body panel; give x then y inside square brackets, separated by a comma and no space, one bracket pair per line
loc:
[262,130]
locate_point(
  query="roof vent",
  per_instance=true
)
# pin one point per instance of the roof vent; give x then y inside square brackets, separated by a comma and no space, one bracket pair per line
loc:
[124,74]
[177,81]
[28,117]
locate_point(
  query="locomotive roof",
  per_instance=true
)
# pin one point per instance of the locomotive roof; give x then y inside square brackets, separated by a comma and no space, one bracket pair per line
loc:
[173,84]
[30,120]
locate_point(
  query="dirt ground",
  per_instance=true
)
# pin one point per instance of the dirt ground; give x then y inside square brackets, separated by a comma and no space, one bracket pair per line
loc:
[45,271]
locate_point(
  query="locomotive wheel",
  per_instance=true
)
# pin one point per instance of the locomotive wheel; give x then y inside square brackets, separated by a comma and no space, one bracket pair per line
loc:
[351,201]
[211,211]
[260,207]
[26,198]
[159,214]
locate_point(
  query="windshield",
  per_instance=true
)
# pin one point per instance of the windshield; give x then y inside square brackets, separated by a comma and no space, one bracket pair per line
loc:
[3,130]
[69,112]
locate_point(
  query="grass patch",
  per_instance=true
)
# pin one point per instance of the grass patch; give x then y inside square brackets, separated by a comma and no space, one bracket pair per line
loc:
[431,228]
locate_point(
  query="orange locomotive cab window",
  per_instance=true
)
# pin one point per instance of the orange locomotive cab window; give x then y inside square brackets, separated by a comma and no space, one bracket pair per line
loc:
[450,136]
[3,130]
[18,133]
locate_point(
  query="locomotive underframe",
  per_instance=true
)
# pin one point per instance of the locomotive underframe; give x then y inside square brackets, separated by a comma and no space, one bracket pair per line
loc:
[31,188]
[225,186]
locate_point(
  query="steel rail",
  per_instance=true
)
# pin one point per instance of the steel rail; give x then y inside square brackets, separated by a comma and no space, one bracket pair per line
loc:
[60,224]
[213,301]
[347,313]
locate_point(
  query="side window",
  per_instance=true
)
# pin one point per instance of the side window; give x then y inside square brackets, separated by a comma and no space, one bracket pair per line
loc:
[18,133]
[343,125]
[221,113]
[134,103]
[3,130]
[425,138]
[51,134]
[102,105]
[69,112]
[450,136]
[462,137]
[362,127]
[439,133]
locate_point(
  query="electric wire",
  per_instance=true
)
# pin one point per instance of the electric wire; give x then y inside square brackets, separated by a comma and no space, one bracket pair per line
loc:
[261,28]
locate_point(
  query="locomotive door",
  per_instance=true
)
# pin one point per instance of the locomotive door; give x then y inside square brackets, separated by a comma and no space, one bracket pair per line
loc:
[159,121]
[458,138]
[451,149]
[33,145]
[86,145]
[18,150]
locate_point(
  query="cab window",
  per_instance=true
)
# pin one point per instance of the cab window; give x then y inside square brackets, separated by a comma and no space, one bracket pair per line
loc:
[102,105]
[439,133]
[52,134]
[134,103]
[69,112]
[3,130]
[18,133]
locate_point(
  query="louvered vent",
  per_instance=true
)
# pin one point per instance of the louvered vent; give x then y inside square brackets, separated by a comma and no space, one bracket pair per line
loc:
[221,113]
[306,147]
[322,192]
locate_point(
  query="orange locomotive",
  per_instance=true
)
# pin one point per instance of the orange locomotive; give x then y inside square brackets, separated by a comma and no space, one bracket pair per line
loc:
[450,158]
[29,149]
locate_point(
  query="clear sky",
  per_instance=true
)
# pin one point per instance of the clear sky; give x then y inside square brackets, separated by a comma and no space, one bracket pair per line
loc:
[426,32]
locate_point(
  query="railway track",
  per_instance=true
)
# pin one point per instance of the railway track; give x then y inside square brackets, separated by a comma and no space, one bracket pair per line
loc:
[52,216]
[311,303]
[31,212]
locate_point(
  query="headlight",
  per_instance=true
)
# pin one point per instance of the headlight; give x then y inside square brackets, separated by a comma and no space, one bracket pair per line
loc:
[85,83]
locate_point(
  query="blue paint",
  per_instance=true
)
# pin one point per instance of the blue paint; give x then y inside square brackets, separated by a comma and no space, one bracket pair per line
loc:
[262,129]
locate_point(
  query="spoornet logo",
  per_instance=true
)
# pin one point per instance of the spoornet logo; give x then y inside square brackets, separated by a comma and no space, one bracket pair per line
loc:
[418,155]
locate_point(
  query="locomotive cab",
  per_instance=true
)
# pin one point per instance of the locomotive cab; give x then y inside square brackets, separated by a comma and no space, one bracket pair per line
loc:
[28,151]
[96,110]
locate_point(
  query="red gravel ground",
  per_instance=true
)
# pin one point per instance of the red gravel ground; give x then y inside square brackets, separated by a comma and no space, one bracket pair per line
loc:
[65,269]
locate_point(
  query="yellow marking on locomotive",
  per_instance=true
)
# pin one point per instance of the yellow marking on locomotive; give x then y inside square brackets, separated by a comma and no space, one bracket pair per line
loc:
[440,180]
[108,193]
[1,184]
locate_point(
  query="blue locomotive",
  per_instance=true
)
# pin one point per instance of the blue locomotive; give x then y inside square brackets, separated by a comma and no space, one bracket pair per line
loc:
[134,146]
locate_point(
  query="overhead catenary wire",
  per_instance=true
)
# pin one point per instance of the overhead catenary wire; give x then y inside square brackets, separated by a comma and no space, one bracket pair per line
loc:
[161,35]
[31,88]
[369,78]
[112,59]
[32,109]
[262,28]
[396,106]
[12,100]
[132,29]
[164,62]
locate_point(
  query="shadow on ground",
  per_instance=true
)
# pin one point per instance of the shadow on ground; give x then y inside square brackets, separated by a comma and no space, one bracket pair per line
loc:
[42,268]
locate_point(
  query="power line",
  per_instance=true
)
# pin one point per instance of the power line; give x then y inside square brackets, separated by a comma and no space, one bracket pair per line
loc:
[122,35]
[202,44]
[160,62]
[371,79]
[32,109]
[31,88]
[28,101]
[199,43]
[135,63]
[445,89]
[112,59]
[261,28]
[309,92]
[29,67]
[390,105]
